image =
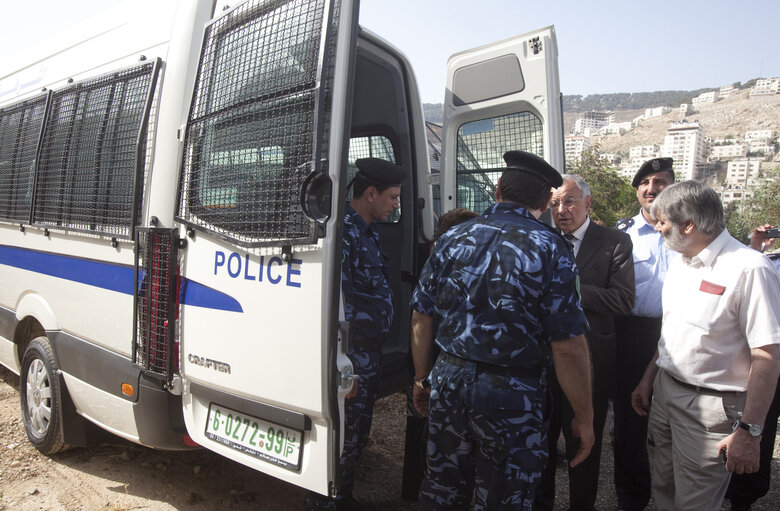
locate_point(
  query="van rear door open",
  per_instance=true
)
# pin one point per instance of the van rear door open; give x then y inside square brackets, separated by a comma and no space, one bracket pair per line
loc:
[499,97]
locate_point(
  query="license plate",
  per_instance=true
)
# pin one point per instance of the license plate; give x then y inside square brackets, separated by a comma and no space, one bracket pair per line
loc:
[261,439]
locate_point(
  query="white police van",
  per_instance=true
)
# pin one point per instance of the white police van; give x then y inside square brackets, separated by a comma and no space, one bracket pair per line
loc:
[172,184]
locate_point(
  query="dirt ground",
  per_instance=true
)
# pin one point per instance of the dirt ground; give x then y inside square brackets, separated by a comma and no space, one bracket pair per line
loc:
[121,476]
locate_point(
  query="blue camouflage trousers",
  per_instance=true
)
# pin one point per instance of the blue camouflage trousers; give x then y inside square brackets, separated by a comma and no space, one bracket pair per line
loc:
[487,440]
[358,412]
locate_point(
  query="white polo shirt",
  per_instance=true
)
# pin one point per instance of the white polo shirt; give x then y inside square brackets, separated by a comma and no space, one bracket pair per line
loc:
[717,306]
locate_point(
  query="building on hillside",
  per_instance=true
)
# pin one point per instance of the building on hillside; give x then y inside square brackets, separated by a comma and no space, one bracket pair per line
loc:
[611,158]
[687,144]
[685,110]
[760,136]
[574,146]
[729,194]
[628,170]
[728,151]
[615,128]
[644,152]
[656,112]
[592,121]
[744,172]
[765,151]
[705,98]
[765,86]
[727,91]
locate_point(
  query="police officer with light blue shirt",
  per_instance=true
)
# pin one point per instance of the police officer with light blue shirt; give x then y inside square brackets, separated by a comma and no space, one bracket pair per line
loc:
[368,307]
[502,292]
[638,334]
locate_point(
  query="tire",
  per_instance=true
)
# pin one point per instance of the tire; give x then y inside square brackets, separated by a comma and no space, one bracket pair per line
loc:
[39,393]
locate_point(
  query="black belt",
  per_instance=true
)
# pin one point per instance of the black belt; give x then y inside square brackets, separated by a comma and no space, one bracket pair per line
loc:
[696,388]
[366,344]
[484,367]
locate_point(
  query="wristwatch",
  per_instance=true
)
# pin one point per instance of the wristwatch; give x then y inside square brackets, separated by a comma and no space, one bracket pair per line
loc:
[754,429]
[423,383]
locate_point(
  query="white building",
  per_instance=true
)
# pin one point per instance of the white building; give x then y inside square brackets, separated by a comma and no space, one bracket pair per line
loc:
[759,136]
[611,158]
[726,151]
[705,98]
[615,128]
[574,146]
[729,195]
[644,152]
[727,91]
[743,172]
[766,86]
[685,110]
[592,121]
[686,143]
[656,112]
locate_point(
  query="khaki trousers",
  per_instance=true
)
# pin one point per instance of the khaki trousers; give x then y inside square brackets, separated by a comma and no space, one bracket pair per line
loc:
[686,425]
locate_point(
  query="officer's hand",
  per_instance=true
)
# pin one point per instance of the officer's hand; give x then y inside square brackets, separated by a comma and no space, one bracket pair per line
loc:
[742,452]
[583,431]
[420,398]
[352,393]
[640,398]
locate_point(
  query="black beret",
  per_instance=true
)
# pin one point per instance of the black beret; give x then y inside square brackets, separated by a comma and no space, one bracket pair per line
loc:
[651,167]
[527,162]
[380,172]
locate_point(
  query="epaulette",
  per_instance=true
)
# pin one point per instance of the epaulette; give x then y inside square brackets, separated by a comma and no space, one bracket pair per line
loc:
[624,223]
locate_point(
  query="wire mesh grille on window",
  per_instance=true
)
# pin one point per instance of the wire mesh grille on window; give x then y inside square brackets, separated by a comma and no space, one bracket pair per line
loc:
[20,128]
[88,157]
[481,147]
[251,137]
[155,310]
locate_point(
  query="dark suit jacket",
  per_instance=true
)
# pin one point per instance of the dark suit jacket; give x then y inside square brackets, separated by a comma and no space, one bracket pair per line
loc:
[606,269]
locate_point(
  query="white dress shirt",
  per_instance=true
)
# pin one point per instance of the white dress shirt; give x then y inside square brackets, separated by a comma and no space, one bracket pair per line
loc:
[718,306]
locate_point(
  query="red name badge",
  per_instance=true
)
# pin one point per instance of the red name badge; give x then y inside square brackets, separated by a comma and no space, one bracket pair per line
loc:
[713,289]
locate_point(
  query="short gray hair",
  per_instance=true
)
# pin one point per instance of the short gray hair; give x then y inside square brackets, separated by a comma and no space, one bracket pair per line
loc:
[579,181]
[691,200]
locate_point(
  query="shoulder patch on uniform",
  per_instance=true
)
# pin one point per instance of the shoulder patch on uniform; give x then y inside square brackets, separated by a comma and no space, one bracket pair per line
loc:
[624,223]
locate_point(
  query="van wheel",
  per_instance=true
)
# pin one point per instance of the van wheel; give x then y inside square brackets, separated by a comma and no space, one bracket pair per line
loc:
[39,393]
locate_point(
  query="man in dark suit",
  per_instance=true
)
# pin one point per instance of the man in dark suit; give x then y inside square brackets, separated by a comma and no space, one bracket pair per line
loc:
[605,264]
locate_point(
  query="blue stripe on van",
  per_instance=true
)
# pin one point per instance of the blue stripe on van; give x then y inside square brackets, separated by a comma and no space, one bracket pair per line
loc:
[113,277]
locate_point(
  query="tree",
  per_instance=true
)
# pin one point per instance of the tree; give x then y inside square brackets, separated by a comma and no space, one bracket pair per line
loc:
[613,196]
[762,208]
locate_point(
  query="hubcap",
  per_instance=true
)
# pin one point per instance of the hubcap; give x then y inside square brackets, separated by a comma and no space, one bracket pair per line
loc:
[38,397]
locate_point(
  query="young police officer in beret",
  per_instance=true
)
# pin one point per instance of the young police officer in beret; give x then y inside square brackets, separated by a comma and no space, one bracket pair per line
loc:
[502,289]
[368,307]
[637,336]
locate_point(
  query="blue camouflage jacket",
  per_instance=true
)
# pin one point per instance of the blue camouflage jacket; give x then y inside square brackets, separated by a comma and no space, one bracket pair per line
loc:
[501,287]
[368,299]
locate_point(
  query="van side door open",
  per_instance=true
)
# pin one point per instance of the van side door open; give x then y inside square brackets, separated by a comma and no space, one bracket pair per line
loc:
[260,333]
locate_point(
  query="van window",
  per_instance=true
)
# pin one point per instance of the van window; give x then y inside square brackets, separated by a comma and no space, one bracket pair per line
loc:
[20,128]
[480,150]
[253,128]
[87,172]
[375,146]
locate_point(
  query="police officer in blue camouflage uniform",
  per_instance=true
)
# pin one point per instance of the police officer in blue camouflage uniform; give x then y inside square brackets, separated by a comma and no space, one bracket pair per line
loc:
[368,307]
[502,290]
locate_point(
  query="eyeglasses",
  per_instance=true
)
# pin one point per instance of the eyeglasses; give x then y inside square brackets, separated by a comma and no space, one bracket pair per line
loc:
[568,203]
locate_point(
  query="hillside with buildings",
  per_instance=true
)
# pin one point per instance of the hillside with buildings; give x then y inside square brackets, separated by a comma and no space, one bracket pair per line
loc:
[725,138]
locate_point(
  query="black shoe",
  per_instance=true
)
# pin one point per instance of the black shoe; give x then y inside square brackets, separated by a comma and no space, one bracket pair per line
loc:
[350,504]
[740,506]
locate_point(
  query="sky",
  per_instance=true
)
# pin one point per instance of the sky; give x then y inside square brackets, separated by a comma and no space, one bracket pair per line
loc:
[604,46]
